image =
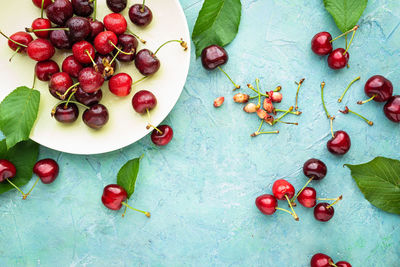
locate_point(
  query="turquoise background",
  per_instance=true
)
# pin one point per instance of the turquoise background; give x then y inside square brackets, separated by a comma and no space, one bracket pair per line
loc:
[201,188]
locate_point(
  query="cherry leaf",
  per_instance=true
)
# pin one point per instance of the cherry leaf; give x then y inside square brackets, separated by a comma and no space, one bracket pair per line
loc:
[128,174]
[346,13]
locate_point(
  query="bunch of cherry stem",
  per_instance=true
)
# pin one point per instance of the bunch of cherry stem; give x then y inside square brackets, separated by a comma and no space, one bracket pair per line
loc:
[24,195]
[132,208]
[296,107]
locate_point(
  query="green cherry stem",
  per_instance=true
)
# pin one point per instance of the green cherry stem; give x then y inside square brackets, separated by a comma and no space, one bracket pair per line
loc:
[34,81]
[345,33]
[137,36]
[351,40]
[63,96]
[291,207]
[347,88]
[301,190]
[142,9]
[141,79]
[258,91]
[95,10]
[283,115]
[45,30]
[91,59]
[27,194]
[285,122]
[323,102]
[331,122]
[336,201]
[115,56]
[16,187]
[297,92]
[291,112]
[366,101]
[119,50]
[345,38]
[53,111]
[230,79]
[15,52]
[15,42]
[149,125]
[41,9]
[144,212]
[347,110]
[183,44]
[285,210]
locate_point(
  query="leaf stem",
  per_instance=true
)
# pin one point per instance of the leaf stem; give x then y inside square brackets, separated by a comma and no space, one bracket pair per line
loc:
[347,88]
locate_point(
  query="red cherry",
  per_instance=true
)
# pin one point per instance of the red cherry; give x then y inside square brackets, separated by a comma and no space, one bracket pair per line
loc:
[90,80]
[38,3]
[343,264]
[7,170]
[314,168]
[102,42]
[113,196]
[41,24]
[146,62]
[47,170]
[120,84]
[323,212]
[96,28]
[45,69]
[60,11]
[392,108]
[59,84]
[40,50]
[213,56]
[22,38]
[321,43]
[72,66]
[340,143]
[116,23]
[88,99]
[66,114]
[103,65]
[81,50]
[96,116]
[140,15]
[143,100]
[336,59]
[321,260]
[308,197]
[164,137]
[281,187]
[266,204]
[378,87]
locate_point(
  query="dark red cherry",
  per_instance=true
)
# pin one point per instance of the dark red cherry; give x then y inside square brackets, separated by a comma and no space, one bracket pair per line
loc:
[90,80]
[71,66]
[102,42]
[38,3]
[379,86]
[120,84]
[116,23]
[116,6]
[321,43]
[343,264]
[140,15]
[22,38]
[314,168]
[47,170]
[96,27]
[127,43]
[392,108]
[213,56]
[146,62]
[66,113]
[83,8]
[96,116]
[60,39]
[45,69]
[281,187]
[340,143]
[266,204]
[321,260]
[59,84]
[308,197]
[103,65]
[143,100]
[81,50]
[79,29]
[164,137]
[7,170]
[40,50]
[336,59]
[323,213]
[60,11]
[113,196]
[41,24]
[88,99]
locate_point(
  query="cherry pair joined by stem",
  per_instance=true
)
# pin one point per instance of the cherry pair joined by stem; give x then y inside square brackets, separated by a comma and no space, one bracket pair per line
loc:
[140,14]
[282,190]
[268,204]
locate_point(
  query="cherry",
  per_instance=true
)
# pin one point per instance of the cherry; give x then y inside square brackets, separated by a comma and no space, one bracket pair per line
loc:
[96,28]
[83,8]
[79,29]
[315,169]
[104,42]
[321,260]
[7,170]
[343,264]
[340,143]
[45,69]
[40,50]
[146,62]
[66,113]
[378,88]
[140,15]
[90,80]
[337,59]
[71,66]
[105,65]
[19,41]
[127,43]
[96,116]
[40,24]
[83,52]
[60,39]
[86,98]
[38,3]
[321,43]
[59,84]
[60,11]
[143,101]
[266,204]
[308,197]
[116,6]
[392,108]
[116,23]
[120,84]
[47,170]
[282,189]
[323,212]
[162,135]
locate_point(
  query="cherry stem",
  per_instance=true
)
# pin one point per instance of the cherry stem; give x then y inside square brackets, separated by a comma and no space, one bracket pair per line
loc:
[269,132]
[285,122]
[137,36]
[15,42]
[345,33]
[336,201]
[70,97]
[119,50]
[277,89]
[16,187]
[142,9]
[301,190]
[95,10]
[150,125]
[123,214]
[53,111]
[345,38]
[226,74]
[323,102]
[347,110]
[291,112]
[27,194]
[331,120]
[34,81]
[144,212]
[183,44]
[285,210]
[291,207]
[91,59]
[41,9]
[347,88]
[283,115]
[116,54]
[297,93]
[15,52]
[258,91]
[351,40]
[63,96]
[366,101]
[45,30]
[141,79]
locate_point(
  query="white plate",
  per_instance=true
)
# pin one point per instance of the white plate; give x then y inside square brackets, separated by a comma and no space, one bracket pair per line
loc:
[125,125]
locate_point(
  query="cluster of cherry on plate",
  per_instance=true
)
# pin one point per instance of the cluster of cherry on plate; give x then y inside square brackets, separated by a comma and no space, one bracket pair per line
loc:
[96,48]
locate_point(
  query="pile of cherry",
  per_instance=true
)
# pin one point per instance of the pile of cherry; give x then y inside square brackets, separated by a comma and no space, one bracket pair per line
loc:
[96,46]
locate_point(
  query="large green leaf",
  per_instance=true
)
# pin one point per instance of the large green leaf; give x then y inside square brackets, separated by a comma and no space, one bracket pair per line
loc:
[24,156]
[346,13]
[379,181]
[127,175]
[18,112]
[217,23]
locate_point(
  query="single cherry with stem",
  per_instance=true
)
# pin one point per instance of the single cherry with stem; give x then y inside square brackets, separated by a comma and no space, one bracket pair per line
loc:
[347,88]
[46,170]
[60,85]
[117,6]
[321,260]
[162,135]
[60,11]
[40,27]
[282,189]
[105,42]
[338,59]
[90,80]
[83,51]
[96,116]
[127,43]
[268,204]
[392,108]
[140,14]
[66,111]
[45,69]
[321,43]
[324,211]
[347,110]
[378,88]
[7,172]
[214,56]
[340,142]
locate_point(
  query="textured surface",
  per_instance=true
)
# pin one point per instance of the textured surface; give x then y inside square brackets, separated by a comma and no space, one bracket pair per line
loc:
[201,187]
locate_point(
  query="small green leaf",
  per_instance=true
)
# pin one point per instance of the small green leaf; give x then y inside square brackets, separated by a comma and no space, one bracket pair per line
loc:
[379,181]
[24,156]
[217,23]
[127,175]
[18,113]
[346,13]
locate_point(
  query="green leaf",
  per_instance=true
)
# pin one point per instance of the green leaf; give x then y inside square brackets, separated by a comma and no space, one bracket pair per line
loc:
[127,175]
[217,23]
[379,181]
[24,156]
[346,13]
[18,113]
